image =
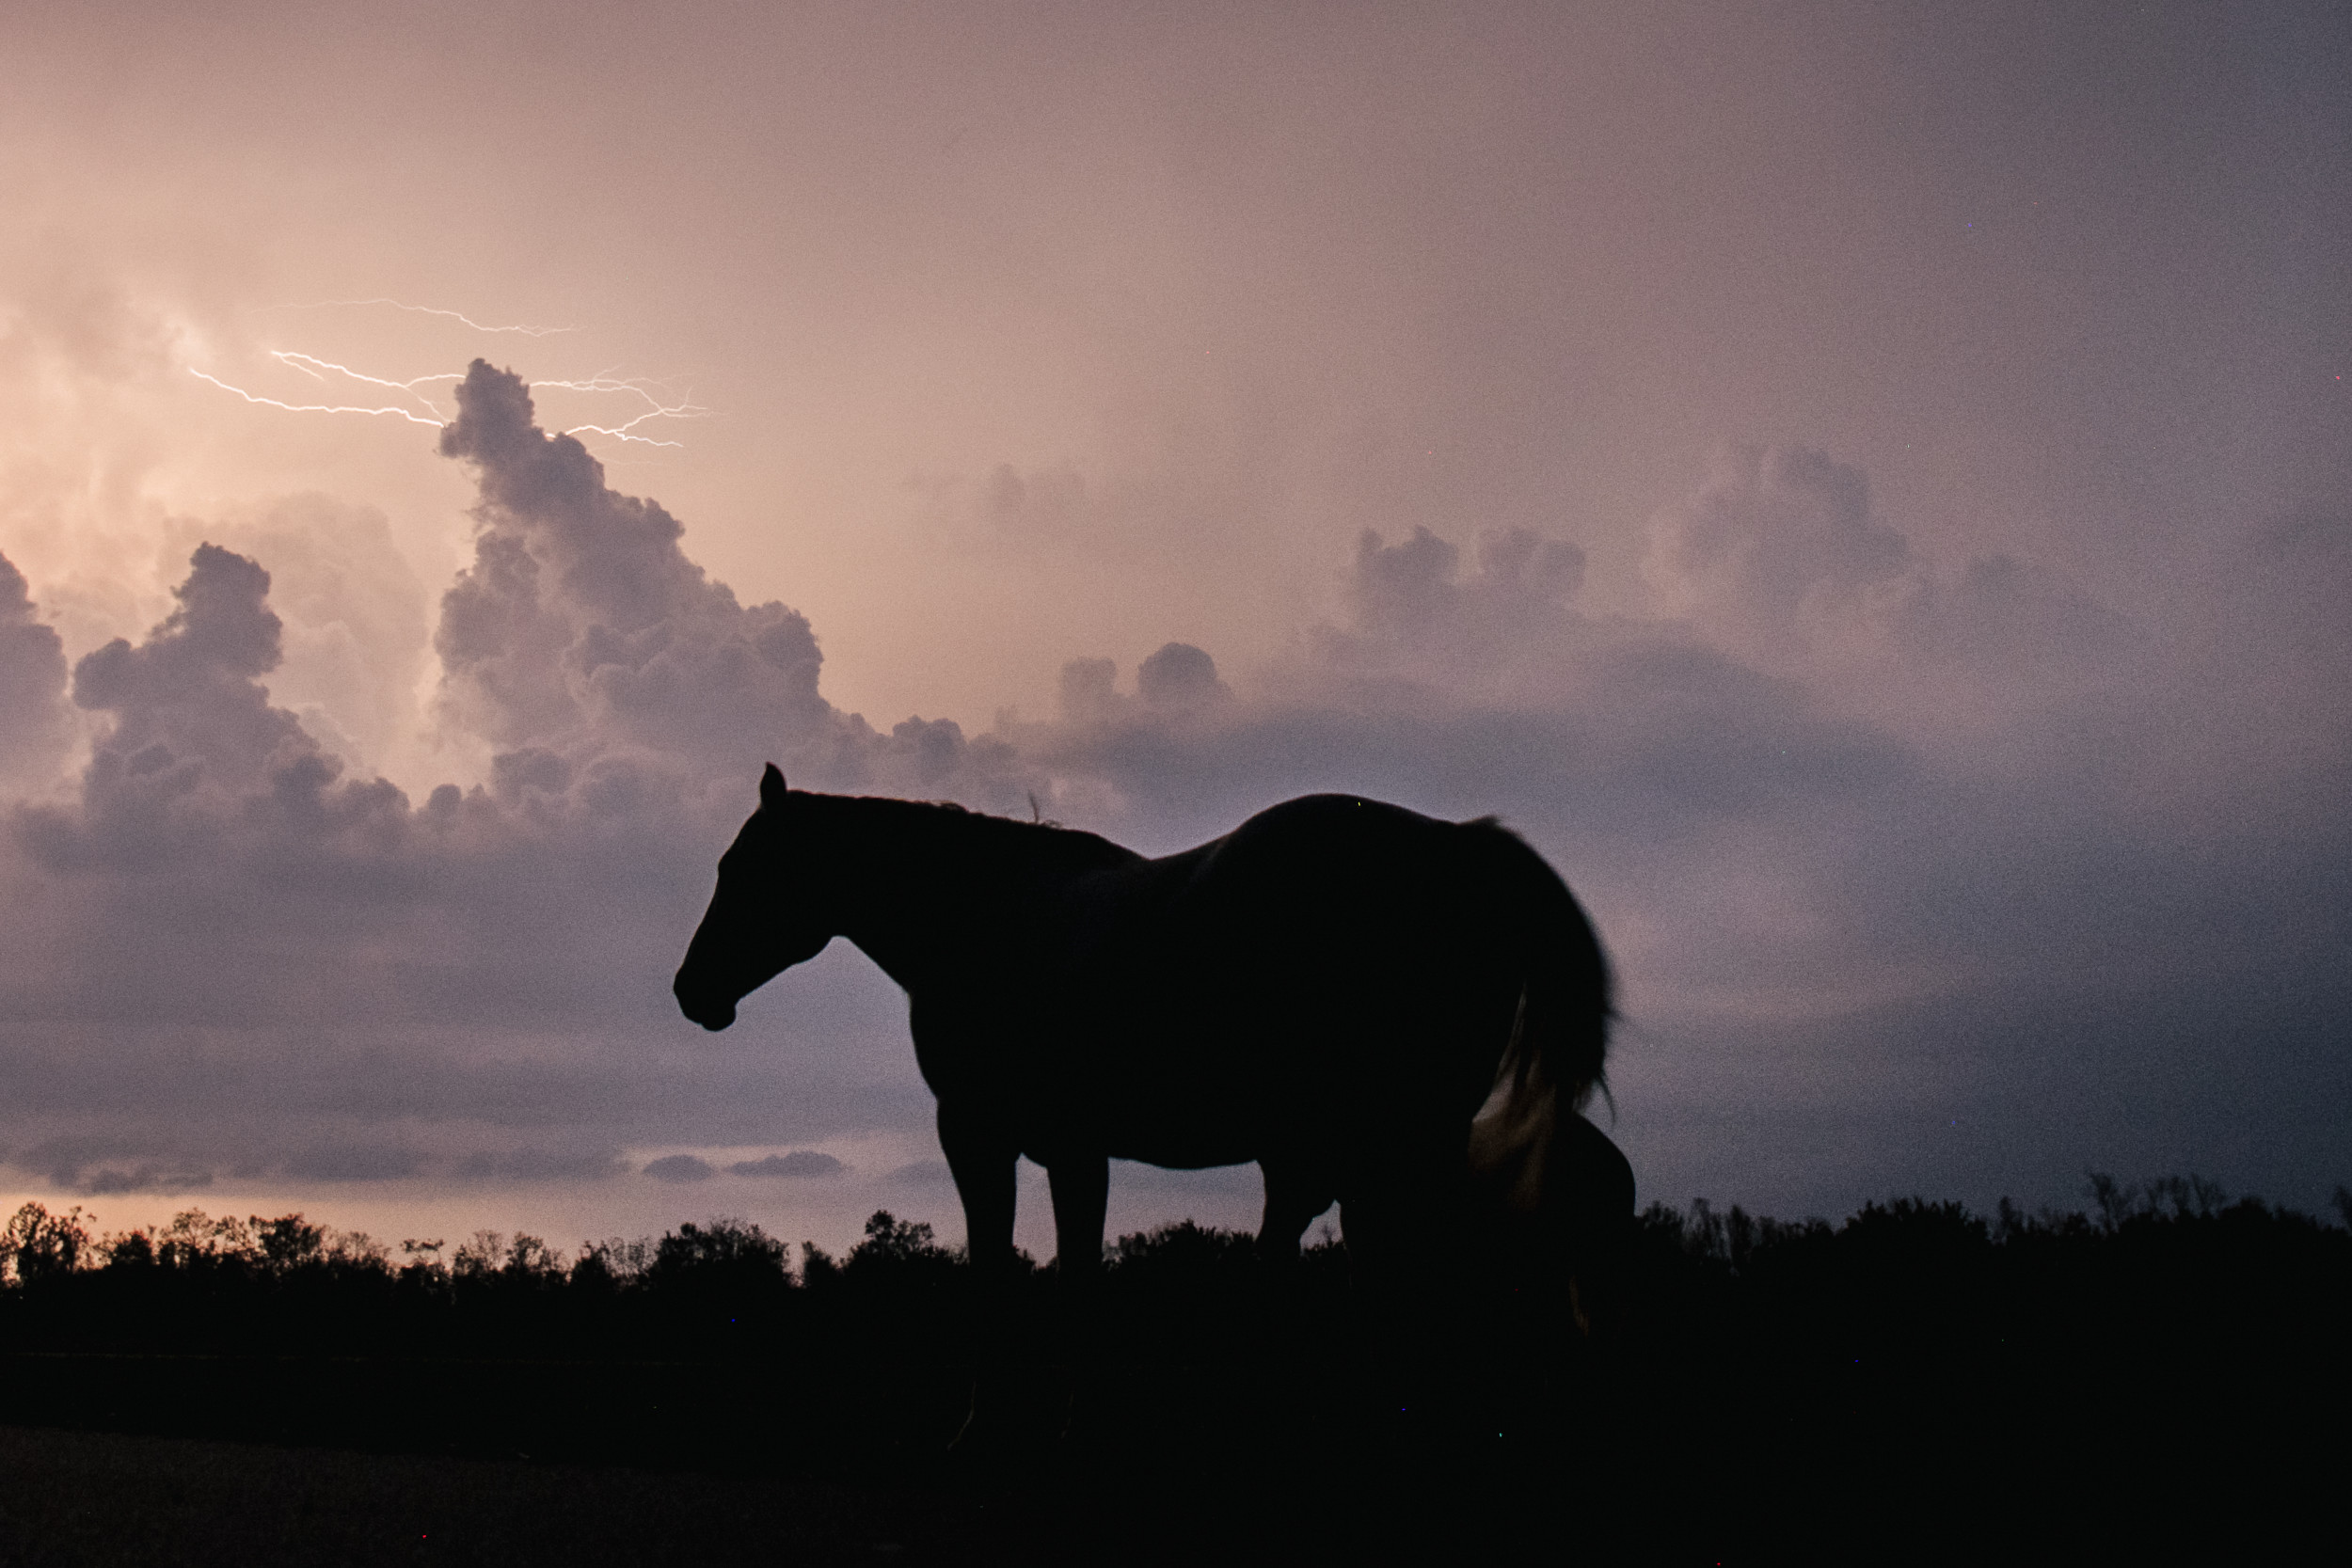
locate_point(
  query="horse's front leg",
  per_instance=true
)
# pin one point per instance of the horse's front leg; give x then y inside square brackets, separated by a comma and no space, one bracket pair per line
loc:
[1082,1191]
[1081,1184]
[981,1157]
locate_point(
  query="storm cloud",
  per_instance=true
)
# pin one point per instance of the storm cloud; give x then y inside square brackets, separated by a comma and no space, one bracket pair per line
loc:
[32,679]
[303,971]
[286,962]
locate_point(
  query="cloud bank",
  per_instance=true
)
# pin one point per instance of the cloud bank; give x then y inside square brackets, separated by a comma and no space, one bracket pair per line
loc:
[1921,873]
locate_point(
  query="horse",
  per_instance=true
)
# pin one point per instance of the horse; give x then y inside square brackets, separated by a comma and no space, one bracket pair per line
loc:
[1333,991]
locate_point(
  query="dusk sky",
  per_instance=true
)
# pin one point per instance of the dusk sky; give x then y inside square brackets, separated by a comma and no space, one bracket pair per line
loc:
[1866,489]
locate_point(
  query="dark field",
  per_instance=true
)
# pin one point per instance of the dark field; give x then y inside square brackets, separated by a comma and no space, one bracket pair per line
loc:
[1916,1383]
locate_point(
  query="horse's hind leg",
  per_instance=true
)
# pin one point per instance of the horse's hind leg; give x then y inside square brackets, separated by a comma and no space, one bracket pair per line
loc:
[1296,1193]
[1401,1263]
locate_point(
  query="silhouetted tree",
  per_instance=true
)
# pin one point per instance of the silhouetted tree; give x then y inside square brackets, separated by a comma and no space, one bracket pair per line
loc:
[1183,1249]
[288,1242]
[530,1261]
[734,1249]
[891,1242]
[606,1267]
[132,1250]
[37,1244]
[478,1256]
[195,1239]
[422,1272]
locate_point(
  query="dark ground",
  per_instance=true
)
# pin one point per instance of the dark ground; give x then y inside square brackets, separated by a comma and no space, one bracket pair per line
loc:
[1139,1492]
[669,1462]
[1915,1384]
[1885,1468]
[84,1497]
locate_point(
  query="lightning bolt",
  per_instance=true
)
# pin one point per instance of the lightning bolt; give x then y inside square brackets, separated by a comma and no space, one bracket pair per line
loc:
[426,310]
[656,408]
[660,402]
[311,407]
[311,367]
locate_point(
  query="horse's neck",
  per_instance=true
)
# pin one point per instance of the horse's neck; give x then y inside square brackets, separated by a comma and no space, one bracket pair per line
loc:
[916,891]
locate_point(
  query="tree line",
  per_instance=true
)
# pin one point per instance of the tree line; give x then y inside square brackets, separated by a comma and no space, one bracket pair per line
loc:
[1919,1278]
[1917,1361]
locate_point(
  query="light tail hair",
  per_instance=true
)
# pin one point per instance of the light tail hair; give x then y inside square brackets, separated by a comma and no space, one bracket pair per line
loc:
[1549,1072]
[1553,1061]
[1513,1134]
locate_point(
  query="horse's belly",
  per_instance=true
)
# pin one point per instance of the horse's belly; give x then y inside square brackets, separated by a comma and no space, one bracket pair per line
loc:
[1190,1110]
[1191,1155]
[1176,1135]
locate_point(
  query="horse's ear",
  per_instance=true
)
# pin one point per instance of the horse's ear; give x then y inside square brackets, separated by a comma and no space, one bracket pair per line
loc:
[771,790]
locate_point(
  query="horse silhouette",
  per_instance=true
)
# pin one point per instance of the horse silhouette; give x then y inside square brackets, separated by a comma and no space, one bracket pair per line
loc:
[1332,990]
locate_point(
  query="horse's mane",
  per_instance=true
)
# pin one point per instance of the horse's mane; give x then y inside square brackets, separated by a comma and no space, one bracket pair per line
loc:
[1031,845]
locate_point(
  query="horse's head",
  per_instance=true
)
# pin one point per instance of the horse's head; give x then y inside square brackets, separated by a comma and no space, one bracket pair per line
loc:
[761,921]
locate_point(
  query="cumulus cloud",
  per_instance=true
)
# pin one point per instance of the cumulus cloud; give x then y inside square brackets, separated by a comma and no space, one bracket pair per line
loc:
[243,940]
[354,623]
[582,631]
[253,957]
[1781,560]
[1780,548]
[188,698]
[207,821]
[1178,678]
[1891,828]
[800,1162]
[581,619]
[33,730]
[1178,681]
[1414,594]
[1425,625]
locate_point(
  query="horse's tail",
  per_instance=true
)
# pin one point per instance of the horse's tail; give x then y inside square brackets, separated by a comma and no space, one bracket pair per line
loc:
[1558,1044]
[1549,1187]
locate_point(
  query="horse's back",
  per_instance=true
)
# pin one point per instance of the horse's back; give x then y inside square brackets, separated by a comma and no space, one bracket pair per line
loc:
[1323,853]
[1317,825]
[1346,886]
[1331,951]
[1300,859]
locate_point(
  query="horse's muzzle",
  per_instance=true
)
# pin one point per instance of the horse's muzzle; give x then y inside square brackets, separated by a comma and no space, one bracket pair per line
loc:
[712,1012]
